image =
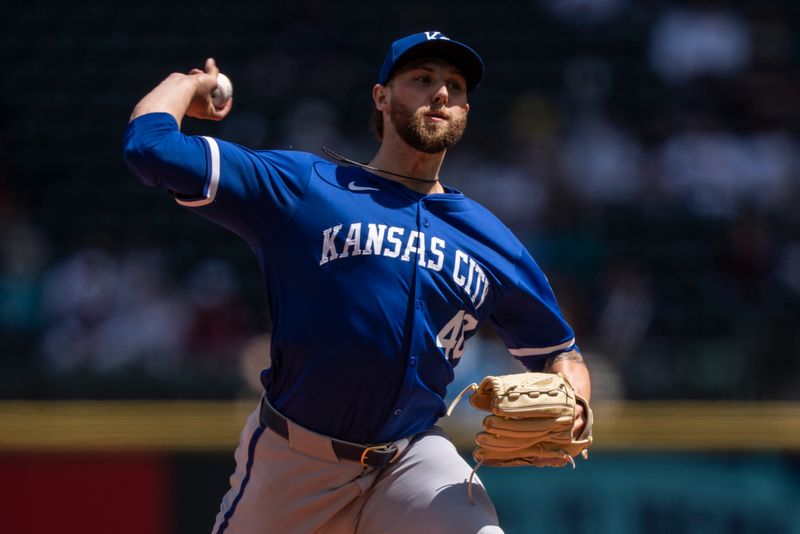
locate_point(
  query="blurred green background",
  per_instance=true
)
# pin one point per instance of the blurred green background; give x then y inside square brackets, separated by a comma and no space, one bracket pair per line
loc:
[645,151]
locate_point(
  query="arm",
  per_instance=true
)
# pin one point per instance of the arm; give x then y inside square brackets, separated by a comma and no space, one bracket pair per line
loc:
[248,192]
[571,365]
[185,94]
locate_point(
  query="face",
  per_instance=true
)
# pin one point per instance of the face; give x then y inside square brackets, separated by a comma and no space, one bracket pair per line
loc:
[427,105]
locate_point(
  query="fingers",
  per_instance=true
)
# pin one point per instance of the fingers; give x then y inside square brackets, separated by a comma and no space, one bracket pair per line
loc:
[201,106]
[211,67]
[221,113]
[579,422]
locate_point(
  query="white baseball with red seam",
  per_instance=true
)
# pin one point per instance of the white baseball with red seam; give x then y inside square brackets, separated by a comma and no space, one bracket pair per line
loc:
[223,92]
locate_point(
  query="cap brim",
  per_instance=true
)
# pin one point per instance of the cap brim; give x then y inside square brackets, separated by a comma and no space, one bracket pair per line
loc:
[459,54]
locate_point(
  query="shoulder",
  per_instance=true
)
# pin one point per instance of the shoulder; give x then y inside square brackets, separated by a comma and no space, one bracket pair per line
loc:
[296,157]
[489,224]
[290,162]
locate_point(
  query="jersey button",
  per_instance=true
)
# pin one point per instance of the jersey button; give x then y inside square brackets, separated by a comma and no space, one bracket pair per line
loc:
[425,222]
[412,361]
[419,304]
[398,411]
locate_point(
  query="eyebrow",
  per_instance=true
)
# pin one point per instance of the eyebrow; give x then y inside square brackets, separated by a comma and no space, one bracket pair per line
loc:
[426,68]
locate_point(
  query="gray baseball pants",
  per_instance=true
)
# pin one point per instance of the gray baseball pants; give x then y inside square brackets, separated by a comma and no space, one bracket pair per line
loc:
[299,486]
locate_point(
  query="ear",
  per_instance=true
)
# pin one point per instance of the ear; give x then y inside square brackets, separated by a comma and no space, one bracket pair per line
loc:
[380,96]
[466,107]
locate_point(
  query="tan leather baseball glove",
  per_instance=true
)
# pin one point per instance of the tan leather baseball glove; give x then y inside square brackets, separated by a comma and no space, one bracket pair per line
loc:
[531,421]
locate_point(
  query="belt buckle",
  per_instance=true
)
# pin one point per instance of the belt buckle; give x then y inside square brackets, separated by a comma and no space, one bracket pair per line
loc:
[386,447]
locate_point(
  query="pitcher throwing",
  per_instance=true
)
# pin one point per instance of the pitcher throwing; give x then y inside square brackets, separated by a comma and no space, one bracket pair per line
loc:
[377,274]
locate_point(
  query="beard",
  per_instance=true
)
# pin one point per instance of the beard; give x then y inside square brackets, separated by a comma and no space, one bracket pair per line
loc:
[428,138]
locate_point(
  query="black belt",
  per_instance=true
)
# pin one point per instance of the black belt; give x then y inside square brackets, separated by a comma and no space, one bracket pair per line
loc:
[376,456]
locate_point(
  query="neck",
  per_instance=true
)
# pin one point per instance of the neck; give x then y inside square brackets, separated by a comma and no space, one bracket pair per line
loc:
[401,159]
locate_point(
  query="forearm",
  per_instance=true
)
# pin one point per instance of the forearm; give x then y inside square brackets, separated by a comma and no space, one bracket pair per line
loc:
[174,96]
[185,94]
[571,365]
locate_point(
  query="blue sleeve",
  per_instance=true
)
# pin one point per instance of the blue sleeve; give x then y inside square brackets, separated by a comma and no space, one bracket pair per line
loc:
[251,193]
[528,319]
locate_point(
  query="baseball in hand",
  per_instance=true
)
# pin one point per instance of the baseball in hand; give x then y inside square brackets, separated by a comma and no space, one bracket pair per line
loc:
[223,92]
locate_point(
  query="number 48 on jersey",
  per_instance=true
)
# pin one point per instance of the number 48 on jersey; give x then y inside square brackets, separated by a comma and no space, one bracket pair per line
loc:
[451,337]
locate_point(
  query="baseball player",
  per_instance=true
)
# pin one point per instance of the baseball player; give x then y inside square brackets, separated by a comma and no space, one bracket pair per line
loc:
[377,275]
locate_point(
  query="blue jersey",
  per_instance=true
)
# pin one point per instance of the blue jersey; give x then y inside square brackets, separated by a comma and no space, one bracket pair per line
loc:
[373,288]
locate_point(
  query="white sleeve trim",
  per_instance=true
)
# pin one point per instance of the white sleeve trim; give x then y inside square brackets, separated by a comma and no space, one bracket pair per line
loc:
[213,179]
[542,351]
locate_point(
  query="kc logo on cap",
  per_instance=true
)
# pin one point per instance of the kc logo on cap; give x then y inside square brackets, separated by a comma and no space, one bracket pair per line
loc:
[435,35]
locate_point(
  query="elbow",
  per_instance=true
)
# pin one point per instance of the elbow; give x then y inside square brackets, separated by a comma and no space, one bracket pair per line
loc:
[141,158]
[159,155]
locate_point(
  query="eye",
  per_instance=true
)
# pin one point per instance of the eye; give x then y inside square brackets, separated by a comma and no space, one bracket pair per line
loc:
[424,79]
[455,85]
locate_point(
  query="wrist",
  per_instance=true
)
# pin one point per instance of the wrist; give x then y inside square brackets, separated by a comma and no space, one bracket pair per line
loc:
[184,84]
[173,95]
[576,373]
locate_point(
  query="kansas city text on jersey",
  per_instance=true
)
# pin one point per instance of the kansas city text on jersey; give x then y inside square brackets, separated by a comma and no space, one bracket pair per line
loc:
[394,242]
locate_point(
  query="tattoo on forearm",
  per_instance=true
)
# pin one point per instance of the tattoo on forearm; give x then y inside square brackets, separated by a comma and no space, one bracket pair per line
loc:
[572,356]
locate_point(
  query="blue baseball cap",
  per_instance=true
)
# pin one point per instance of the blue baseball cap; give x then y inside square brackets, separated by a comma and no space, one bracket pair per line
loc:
[432,44]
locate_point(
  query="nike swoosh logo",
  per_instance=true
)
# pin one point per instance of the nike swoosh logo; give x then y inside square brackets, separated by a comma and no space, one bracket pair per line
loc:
[353,187]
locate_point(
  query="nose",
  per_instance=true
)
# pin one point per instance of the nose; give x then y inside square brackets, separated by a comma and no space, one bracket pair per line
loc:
[441,95]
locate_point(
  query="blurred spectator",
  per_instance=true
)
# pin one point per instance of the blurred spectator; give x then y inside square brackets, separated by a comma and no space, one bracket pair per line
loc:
[716,171]
[601,163]
[107,314]
[218,322]
[705,39]
[78,294]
